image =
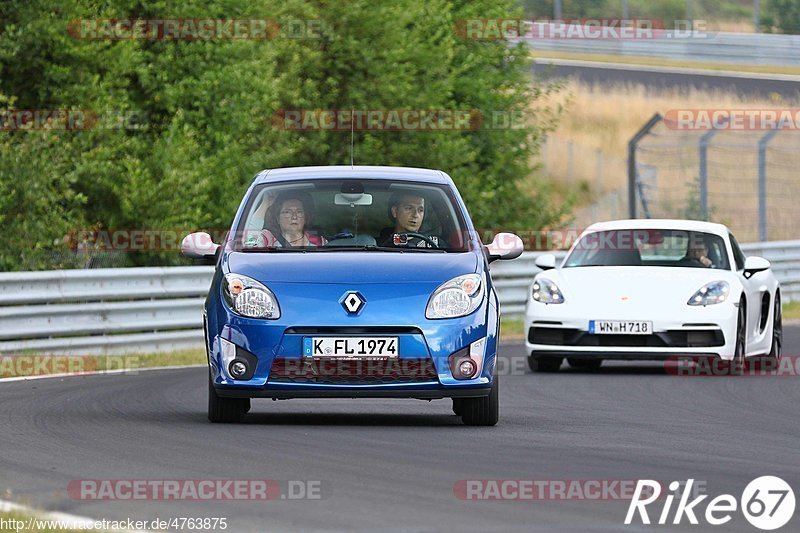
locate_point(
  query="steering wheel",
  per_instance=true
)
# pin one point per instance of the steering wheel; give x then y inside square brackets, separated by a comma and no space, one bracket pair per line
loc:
[420,236]
[695,261]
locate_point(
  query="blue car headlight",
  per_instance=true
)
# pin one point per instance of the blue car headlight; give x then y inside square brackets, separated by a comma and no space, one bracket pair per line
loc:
[546,292]
[455,298]
[247,297]
[713,293]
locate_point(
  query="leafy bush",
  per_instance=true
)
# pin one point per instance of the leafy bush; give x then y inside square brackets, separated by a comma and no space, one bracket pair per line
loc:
[205,113]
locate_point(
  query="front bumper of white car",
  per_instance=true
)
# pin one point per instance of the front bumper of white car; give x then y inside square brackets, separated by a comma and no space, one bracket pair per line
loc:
[561,331]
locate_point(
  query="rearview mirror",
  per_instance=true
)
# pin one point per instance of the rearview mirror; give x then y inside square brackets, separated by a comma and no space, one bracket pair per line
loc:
[352,199]
[546,261]
[505,246]
[199,245]
[753,265]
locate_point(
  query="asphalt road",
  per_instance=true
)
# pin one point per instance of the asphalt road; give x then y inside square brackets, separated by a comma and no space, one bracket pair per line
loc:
[393,464]
[762,86]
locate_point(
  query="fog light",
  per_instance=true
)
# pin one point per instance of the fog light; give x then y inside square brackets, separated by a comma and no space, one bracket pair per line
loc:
[467,368]
[237,369]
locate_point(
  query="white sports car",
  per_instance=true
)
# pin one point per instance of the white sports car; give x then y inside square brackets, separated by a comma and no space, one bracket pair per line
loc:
[651,289]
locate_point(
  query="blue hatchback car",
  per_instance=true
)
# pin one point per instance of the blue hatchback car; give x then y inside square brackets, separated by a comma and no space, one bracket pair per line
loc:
[352,282]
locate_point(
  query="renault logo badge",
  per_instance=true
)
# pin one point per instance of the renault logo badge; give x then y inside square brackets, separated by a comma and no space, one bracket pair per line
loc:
[352,302]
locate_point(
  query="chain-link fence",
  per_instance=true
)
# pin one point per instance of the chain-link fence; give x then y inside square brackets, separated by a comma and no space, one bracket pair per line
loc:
[602,176]
[747,180]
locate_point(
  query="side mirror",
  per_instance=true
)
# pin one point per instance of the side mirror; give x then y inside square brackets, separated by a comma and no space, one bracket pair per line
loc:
[505,246]
[546,261]
[199,245]
[754,265]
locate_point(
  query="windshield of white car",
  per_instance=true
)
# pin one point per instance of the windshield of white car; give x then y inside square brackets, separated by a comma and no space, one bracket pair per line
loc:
[650,247]
[327,215]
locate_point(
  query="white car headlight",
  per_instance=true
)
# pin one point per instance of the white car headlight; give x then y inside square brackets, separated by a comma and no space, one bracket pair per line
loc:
[249,298]
[546,292]
[458,297]
[710,294]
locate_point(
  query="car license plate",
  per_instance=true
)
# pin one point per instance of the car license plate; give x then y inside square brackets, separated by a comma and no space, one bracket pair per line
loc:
[350,347]
[620,327]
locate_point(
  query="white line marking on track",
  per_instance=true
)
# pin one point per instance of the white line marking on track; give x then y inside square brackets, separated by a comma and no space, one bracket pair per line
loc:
[66,521]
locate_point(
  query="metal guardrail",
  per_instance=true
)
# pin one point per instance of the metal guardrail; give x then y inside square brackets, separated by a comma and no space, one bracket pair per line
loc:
[118,310]
[513,278]
[714,47]
[105,310]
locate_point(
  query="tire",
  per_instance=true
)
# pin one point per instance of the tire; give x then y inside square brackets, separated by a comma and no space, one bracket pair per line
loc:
[772,361]
[544,364]
[484,411]
[776,350]
[584,364]
[739,361]
[225,410]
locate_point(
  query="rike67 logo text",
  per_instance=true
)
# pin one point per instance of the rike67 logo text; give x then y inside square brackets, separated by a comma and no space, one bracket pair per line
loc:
[767,503]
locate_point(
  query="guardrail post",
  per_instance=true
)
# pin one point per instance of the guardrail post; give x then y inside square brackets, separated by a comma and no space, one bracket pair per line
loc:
[633,144]
[762,183]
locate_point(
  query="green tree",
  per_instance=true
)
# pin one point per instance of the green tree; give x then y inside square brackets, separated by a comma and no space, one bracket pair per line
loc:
[206,110]
[783,15]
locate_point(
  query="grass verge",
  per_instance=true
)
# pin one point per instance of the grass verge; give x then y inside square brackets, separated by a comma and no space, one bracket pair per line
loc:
[791,311]
[657,62]
[33,364]
[512,328]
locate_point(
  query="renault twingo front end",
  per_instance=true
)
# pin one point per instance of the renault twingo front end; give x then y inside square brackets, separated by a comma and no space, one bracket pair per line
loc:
[352,282]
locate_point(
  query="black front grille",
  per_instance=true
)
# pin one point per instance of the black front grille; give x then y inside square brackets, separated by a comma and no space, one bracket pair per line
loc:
[353,330]
[633,341]
[334,371]
[665,339]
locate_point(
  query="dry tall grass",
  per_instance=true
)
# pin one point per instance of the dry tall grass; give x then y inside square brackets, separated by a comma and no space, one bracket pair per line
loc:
[588,151]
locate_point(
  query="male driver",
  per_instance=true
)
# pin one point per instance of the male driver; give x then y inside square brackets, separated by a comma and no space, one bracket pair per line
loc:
[407,210]
[697,255]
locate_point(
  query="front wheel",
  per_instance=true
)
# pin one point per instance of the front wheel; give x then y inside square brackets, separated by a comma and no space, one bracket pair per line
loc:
[772,361]
[777,331]
[739,361]
[225,410]
[484,411]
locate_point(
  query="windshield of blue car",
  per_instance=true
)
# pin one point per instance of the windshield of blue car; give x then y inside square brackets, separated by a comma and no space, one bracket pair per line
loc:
[329,215]
[650,247]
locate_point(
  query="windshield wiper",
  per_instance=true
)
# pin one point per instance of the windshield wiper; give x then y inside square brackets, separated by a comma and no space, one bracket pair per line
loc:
[349,248]
[263,249]
[374,248]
